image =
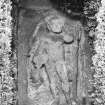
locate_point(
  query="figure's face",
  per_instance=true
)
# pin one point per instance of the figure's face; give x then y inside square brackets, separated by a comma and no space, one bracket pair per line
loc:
[55,25]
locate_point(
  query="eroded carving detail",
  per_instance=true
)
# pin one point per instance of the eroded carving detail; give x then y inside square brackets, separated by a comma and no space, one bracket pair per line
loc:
[56,65]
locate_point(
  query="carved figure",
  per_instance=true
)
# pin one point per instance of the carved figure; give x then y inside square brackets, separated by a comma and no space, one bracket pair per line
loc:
[56,62]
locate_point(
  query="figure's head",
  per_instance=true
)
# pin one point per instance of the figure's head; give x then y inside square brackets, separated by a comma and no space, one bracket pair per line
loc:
[55,23]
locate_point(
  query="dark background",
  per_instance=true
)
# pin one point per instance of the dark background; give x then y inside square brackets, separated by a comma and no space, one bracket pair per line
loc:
[74,5]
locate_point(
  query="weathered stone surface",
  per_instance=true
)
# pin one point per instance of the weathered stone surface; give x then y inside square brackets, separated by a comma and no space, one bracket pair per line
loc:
[59,65]
[52,60]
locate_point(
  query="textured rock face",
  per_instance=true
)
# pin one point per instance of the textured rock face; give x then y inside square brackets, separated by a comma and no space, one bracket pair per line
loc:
[56,66]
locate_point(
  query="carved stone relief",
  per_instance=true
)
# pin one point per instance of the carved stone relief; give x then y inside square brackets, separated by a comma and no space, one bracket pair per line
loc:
[56,63]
